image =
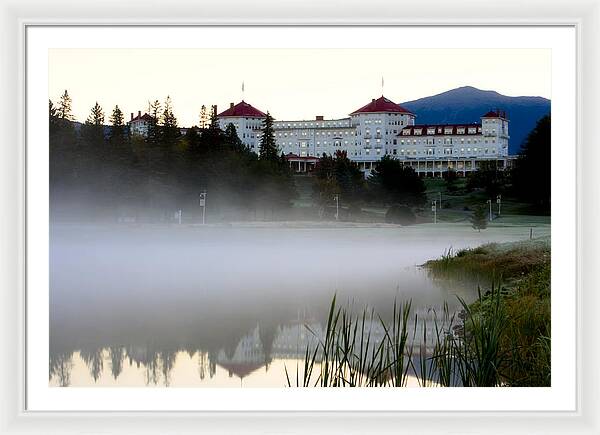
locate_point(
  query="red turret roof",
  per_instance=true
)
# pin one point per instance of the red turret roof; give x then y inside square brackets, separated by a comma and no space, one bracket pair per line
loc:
[495,114]
[144,117]
[382,104]
[242,110]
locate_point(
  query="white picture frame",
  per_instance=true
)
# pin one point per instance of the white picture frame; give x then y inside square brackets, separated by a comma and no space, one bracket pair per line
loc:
[584,16]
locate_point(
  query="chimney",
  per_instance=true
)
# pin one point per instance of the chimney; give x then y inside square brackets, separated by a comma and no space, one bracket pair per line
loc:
[319,117]
[132,116]
[231,105]
[139,113]
[372,100]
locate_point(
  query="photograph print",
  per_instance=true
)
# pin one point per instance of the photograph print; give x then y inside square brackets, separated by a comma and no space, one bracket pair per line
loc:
[299,218]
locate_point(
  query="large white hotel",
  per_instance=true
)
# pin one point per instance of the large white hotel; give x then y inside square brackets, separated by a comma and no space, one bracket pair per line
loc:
[380,128]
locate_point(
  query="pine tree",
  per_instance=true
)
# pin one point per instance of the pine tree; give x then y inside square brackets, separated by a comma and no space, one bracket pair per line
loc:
[153,127]
[93,130]
[52,117]
[170,132]
[231,137]
[214,120]
[531,174]
[117,130]
[203,117]
[268,147]
[96,116]
[64,108]
[479,218]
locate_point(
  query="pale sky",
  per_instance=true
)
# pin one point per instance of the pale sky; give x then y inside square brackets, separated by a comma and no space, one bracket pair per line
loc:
[291,83]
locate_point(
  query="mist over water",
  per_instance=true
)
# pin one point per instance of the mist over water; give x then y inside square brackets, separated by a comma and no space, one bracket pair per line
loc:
[137,305]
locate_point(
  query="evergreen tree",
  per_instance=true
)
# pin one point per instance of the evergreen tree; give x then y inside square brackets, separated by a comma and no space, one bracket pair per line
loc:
[204,118]
[231,137]
[214,120]
[268,147]
[64,108]
[117,129]
[93,130]
[479,218]
[531,175]
[153,127]
[394,183]
[170,131]
[52,117]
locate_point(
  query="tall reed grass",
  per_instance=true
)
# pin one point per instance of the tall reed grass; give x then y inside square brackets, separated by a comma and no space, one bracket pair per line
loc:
[442,349]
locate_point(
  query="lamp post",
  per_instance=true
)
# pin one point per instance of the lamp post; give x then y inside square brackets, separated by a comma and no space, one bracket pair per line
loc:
[499,202]
[203,205]
[489,201]
[434,210]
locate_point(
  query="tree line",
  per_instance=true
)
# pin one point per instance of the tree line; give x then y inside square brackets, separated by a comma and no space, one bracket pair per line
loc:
[104,172]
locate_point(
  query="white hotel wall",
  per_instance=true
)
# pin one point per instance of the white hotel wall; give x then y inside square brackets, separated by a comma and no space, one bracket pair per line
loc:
[367,137]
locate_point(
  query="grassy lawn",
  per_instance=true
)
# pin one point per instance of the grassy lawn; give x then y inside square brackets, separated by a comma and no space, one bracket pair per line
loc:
[457,206]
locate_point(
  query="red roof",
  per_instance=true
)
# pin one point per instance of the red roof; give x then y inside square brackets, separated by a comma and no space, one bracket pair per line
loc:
[144,117]
[242,110]
[382,104]
[495,114]
[440,129]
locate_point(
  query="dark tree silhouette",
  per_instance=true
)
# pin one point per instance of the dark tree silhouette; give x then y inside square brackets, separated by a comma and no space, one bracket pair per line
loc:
[391,182]
[531,174]
[479,218]
[268,147]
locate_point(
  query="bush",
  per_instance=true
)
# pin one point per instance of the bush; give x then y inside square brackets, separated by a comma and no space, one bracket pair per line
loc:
[400,214]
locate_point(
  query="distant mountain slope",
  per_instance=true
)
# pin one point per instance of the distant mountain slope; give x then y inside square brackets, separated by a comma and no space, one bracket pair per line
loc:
[467,104]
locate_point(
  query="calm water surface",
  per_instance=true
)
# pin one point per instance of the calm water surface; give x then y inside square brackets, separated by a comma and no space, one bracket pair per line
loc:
[225,306]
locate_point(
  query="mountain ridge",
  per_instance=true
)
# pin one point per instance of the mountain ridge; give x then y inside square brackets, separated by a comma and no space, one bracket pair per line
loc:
[466,104]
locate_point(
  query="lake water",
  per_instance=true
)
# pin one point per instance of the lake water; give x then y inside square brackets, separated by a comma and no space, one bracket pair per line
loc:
[216,306]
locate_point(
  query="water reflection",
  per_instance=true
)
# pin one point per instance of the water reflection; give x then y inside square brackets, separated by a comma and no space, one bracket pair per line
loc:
[226,307]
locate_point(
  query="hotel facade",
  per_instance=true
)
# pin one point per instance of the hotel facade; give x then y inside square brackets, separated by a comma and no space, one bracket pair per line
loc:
[377,129]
